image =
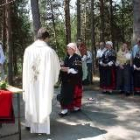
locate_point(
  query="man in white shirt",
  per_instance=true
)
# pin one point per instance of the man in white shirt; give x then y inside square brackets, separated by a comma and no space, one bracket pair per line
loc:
[40,73]
[89,66]
[101,50]
[136,48]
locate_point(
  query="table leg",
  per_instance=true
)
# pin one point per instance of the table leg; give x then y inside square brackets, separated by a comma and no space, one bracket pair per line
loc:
[19,122]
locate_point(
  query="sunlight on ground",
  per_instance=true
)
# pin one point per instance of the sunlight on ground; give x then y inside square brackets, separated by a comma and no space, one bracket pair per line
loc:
[67,122]
[101,137]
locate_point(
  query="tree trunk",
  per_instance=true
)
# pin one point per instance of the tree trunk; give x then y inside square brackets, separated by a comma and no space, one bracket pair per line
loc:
[54,27]
[111,20]
[36,15]
[123,20]
[78,19]
[102,20]
[15,65]
[136,21]
[4,29]
[9,42]
[85,22]
[1,19]
[93,50]
[67,21]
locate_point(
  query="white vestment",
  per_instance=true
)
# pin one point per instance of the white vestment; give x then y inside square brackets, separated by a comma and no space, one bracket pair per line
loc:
[40,73]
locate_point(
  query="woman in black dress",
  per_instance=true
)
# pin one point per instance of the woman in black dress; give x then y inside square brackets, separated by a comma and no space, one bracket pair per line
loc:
[136,66]
[107,62]
[71,77]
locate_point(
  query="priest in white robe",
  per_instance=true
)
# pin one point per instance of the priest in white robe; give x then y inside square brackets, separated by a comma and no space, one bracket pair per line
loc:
[40,73]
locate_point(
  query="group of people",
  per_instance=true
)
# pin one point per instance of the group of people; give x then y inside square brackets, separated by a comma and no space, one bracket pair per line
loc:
[119,70]
[41,71]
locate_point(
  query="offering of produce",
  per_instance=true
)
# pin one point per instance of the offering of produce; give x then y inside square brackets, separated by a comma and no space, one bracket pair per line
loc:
[3,85]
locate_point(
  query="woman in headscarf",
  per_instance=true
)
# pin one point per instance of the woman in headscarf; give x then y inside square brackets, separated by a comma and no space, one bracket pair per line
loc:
[71,77]
[82,47]
[107,62]
[124,70]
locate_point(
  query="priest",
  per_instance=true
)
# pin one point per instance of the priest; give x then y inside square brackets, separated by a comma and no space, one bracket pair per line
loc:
[40,73]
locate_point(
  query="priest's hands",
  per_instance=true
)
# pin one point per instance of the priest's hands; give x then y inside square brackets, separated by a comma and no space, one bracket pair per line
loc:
[64,69]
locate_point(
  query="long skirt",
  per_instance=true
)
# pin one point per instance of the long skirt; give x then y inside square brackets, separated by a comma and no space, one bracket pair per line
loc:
[70,100]
[136,80]
[107,78]
[101,72]
[124,79]
[89,77]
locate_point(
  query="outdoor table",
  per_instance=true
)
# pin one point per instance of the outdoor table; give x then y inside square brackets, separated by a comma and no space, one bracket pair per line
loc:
[16,91]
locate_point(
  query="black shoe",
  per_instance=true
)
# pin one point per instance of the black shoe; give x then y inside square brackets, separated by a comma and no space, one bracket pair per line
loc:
[127,94]
[104,92]
[75,111]
[108,92]
[121,92]
[62,115]
[137,93]
[27,128]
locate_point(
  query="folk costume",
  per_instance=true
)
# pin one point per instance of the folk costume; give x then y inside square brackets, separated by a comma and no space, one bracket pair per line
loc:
[71,87]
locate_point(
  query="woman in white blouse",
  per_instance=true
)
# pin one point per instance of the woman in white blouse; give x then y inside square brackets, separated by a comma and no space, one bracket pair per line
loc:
[124,70]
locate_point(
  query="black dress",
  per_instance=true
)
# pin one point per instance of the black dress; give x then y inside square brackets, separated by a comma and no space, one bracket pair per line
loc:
[71,82]
[136,78]
[108,74]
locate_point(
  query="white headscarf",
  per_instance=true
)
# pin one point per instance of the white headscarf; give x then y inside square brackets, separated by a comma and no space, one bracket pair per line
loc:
[109,43]
[74,47]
